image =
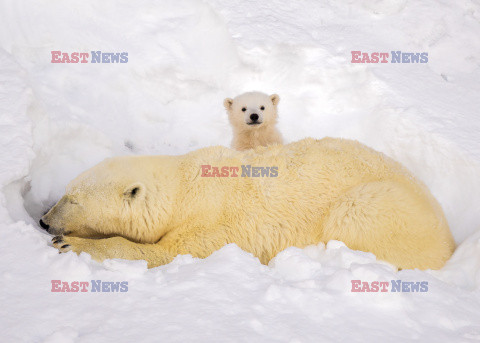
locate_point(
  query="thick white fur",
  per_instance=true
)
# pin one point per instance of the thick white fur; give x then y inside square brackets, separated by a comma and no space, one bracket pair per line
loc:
[247,136]
[156,207]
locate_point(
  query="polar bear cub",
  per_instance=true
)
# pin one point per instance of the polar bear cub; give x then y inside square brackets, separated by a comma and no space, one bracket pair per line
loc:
[253,116]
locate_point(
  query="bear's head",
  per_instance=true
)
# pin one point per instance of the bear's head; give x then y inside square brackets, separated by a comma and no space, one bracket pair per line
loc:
[252,110]
[118,197]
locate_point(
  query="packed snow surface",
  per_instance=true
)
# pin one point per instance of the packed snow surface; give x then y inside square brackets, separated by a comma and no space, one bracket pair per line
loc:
[184,58]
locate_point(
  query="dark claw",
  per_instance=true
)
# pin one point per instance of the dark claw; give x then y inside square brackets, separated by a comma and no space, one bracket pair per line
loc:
[65,246]
[57,239]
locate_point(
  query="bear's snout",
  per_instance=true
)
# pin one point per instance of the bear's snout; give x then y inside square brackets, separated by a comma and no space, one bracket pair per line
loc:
[254,119]
[44,225]
[49,226]
[50,220]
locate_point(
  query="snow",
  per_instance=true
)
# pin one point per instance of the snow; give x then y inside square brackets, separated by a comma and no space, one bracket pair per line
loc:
[185,57]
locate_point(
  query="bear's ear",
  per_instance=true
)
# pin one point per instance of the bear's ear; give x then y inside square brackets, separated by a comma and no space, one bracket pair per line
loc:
[228,103]
[275,99]
[134,191]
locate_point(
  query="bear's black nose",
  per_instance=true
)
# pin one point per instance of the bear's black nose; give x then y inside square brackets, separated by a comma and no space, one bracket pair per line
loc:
[254,117]
[43,225]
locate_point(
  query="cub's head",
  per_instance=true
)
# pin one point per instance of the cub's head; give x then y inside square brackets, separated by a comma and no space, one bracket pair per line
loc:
[252,110]
[114,198]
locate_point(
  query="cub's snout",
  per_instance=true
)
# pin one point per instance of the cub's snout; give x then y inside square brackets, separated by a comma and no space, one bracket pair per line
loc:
[254,119]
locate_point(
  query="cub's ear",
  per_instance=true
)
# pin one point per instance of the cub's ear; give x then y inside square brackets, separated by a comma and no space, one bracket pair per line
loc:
[275,99]
[134,191]
[228,103]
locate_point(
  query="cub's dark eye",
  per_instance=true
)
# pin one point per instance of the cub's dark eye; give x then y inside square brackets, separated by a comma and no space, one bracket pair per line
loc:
[244,109]
[262,108]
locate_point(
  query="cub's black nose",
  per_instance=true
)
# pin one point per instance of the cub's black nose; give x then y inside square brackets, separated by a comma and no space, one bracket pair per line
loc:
[254,117]
[43,225]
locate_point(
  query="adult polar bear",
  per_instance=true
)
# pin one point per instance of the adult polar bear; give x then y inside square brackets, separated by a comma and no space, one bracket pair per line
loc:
[156,207]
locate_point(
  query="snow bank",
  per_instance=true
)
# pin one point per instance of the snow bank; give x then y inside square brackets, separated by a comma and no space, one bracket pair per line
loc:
[59,119]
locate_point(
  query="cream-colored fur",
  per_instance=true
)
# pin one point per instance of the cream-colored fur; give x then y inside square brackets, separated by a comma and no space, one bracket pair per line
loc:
[248,134]
[156,207]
